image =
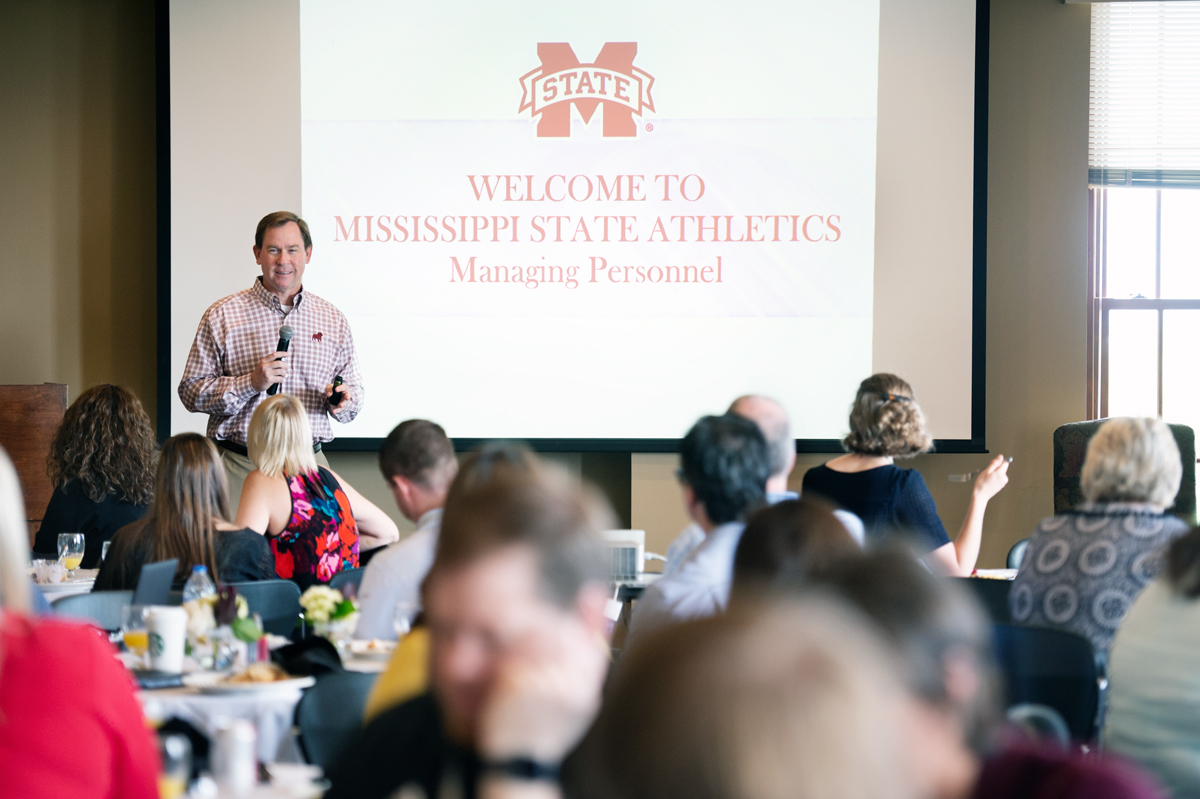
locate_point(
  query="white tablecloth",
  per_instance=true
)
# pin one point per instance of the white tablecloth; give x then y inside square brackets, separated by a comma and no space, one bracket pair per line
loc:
[271,711]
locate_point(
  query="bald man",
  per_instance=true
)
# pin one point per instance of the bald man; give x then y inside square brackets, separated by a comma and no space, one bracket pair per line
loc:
[776,428]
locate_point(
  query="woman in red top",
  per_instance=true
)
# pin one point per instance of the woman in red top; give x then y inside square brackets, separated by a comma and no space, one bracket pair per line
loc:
[313,518]
[69,723]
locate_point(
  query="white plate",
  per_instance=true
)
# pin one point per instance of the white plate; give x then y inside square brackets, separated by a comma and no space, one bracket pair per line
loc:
[208,682]
[69,586]
[364,651]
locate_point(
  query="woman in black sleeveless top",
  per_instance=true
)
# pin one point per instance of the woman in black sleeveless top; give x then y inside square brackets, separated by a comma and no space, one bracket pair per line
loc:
[886,423]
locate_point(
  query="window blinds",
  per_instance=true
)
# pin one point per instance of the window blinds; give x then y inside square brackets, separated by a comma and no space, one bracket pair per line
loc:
[1144,126]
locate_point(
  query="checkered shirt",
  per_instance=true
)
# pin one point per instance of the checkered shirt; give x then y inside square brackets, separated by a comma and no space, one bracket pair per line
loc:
[239,331]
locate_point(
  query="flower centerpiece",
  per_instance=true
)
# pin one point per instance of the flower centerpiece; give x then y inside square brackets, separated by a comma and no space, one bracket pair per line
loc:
[332,614]
[220,628]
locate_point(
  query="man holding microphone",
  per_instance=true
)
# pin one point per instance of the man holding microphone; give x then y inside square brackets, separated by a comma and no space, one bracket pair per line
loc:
[236,358]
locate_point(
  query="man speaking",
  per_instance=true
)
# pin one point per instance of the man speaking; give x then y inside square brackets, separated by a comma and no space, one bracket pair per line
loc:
[237,355]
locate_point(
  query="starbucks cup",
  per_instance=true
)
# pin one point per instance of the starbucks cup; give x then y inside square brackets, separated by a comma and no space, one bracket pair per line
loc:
[166,629]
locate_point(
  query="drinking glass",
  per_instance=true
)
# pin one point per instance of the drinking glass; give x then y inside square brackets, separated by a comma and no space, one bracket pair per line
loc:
[175,753]
[70,551]
[104,550]
[403,616]
[133,631]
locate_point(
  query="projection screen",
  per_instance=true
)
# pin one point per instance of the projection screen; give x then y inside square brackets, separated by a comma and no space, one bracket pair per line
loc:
[586,226]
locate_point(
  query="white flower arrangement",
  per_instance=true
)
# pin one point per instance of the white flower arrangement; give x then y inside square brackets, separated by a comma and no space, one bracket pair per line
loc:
[324,604]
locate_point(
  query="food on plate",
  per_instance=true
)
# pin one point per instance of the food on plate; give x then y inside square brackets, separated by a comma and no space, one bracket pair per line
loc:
[259,672]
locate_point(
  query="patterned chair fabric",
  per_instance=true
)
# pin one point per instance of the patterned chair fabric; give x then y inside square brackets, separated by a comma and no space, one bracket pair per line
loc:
[1070,446]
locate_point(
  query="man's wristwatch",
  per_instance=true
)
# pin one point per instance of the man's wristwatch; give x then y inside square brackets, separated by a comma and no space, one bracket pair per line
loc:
[522,768]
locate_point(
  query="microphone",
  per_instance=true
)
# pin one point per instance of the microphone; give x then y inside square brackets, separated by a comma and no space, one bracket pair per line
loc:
[285,338]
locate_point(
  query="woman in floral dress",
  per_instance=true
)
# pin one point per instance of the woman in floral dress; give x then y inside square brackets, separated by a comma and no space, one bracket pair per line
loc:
[315,521]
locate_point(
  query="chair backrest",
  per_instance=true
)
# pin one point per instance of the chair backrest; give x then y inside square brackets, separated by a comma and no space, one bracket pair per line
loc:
[1017,554]
[154,582]
[992,594]
[101,608]
[1054,668]
[330,714]
[1040,724]
[1070,446]
[352,576]
[276,601]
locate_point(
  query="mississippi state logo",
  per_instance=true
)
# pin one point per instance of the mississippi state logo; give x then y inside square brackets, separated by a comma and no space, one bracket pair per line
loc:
[561,81]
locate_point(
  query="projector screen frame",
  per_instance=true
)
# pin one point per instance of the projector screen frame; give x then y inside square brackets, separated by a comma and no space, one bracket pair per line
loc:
[166,382]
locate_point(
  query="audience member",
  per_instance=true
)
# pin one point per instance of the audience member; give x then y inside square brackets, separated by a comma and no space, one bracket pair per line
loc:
[724,470]
[407,673]
[418,463]
[189,521]
[69,722]
[944,643]
[885,424]
[1154,674]
[1084,568]
[788,700]
[786,542]
[514,604]
[101,463]
[776,428]
[313,518]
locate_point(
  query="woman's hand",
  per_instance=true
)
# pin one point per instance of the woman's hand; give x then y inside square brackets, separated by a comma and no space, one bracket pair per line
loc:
[992,479]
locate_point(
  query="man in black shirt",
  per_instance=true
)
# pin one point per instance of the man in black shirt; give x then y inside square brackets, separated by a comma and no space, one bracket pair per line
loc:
[514,605]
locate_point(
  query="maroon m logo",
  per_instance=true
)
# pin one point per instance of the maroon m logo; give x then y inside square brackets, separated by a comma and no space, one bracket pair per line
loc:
[561,81]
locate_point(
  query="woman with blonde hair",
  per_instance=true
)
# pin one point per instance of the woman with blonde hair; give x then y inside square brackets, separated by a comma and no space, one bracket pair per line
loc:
[313,519]
[101,463]
[189,521]
[1084,568]
[69,722]
[886,423]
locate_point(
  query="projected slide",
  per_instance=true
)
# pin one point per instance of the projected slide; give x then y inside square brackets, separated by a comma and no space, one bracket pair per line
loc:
[547,222]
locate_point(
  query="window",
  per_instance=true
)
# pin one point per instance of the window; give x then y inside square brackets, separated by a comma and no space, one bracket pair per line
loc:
[1146,302]
[1144,211]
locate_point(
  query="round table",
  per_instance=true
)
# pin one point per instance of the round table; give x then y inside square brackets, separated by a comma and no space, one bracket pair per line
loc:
[270,710]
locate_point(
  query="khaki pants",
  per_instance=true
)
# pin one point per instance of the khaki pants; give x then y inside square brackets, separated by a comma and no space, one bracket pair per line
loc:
[238,466]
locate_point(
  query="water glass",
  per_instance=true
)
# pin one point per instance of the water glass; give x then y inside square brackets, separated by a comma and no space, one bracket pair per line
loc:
[403,616]
[70,551]
[133,631]
[175,753]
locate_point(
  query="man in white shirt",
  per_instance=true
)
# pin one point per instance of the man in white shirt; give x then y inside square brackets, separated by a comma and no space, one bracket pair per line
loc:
[724,466]
[418,463]
[776,428]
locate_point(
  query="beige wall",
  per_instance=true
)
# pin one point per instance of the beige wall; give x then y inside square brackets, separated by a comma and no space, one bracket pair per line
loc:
[77,224]
[77,194]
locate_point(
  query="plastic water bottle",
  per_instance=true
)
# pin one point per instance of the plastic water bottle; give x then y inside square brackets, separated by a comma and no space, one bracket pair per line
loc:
[199,585]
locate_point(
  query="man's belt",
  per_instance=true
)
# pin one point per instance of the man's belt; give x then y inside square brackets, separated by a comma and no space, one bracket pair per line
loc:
[238,449]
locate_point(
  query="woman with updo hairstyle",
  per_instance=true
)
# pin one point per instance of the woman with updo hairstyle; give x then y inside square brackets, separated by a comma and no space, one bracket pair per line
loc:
[101,464]
[886,423]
